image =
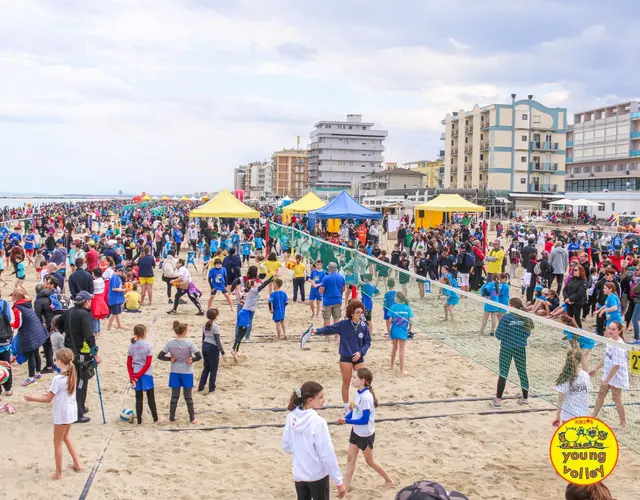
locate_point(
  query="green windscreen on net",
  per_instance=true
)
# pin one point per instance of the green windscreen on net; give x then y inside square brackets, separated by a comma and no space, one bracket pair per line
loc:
[546,350]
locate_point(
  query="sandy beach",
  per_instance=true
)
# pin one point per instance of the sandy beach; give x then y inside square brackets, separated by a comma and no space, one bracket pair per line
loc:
[485,457]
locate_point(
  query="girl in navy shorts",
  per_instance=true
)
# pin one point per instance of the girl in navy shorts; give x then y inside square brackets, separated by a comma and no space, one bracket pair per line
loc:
[355,340]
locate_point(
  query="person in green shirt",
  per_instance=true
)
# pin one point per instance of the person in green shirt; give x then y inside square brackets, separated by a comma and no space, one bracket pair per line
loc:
[408,239]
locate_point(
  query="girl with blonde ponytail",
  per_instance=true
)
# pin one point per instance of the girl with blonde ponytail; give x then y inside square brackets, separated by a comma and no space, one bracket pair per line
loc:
[65,408]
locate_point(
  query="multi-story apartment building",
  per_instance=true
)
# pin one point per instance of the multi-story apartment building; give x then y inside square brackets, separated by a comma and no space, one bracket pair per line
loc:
[343,153]
[290,172]
[518,148]
[603,149]
[259,184]
[240,177]
[432,170]
[379,183]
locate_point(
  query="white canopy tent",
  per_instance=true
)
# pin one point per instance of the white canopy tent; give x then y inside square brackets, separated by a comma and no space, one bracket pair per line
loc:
[581,202]
[563,201]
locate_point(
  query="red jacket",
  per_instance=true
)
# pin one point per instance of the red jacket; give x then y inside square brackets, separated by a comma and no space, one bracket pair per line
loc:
[478,252]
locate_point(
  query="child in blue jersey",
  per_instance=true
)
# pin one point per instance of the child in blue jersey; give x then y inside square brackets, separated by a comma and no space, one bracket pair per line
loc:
[246,248]
[388,301]
[228,243]
[278,304]
[201,251]
[235,240]
[259,244]
[612,308]
[451,298]
[363,433]
[217,278]
[491,291]
[315,297]
[206,257]
[586,344]
[20,271]
[401,315]
[368,291]
[214,245]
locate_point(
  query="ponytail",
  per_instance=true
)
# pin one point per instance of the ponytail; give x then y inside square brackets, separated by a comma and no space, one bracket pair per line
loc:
[212,314]
[366,375]
[71,378]
[301,395]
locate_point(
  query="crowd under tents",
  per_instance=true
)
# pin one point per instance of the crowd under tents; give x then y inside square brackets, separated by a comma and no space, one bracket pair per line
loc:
[341,207]
[304,205]
[431,213]
[224,204]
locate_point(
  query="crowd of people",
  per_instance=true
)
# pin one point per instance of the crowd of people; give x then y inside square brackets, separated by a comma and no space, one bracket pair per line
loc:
[96,261]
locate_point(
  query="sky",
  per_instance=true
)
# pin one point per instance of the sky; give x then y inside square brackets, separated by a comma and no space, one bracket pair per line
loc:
[168,96]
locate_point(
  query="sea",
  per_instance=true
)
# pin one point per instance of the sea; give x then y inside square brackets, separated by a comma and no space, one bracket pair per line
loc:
[20,202]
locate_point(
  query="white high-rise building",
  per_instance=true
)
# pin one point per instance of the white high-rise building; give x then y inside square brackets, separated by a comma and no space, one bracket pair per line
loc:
[260,178]
[343,153]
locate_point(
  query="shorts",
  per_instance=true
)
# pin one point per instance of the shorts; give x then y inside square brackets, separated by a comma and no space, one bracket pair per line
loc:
[145,281]
[245,258]
[178,380]
[463,279]
[278,319]
[362,442]
[262,276]
[214,291]
[145,383]
[329,312]
[399,334]
[314,294]
[367,314]
[347,359]
[115,309]
[29,251]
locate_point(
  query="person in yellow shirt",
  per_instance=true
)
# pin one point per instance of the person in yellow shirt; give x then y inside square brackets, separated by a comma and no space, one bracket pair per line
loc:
[272,264]
[132,300]
[495,258]
[299,271]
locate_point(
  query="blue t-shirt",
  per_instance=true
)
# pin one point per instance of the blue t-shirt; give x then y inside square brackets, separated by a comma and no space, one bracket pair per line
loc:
[228,244]
[368,292]
[218,279]
[235,238]
[317,276]
[259,243]
[246,248]
[389,299]
[177,235]
[332,284]
[401,314]
[613,300]
[572,247]
[115,297]
[214,245]
[279,301]
[20,270]
[30,242]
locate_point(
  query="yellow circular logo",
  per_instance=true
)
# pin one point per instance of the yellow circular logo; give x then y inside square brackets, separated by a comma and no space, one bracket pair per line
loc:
[584,450]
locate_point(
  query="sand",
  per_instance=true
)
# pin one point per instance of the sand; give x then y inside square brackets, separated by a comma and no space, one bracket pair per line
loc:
[486,457]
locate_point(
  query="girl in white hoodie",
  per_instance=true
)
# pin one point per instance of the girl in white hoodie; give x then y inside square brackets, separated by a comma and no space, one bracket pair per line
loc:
[306,436]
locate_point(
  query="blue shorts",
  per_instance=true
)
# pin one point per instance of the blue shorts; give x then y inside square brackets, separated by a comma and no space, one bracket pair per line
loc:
[278,319]
[145,383]
[452,301]
[314,294]
[583,342]
[347,359]
[178,380]
[115,309]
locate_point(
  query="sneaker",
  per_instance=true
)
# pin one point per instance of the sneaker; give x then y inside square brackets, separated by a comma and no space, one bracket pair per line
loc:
[38,376]
[523,401]
[83,420]
[200,313]
[28,382]
[495,404]
[171,312]
[247,340]
[48,369]
[170,301]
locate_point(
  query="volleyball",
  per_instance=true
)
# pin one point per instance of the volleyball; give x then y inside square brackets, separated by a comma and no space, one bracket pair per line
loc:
[127,415]
[4,374]
[291,264]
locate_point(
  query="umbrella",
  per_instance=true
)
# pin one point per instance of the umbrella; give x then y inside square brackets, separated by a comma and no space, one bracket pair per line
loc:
[586,203]
[564,201]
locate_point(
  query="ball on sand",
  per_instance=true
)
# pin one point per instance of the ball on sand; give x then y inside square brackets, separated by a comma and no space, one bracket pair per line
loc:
[127,415]
[4,374]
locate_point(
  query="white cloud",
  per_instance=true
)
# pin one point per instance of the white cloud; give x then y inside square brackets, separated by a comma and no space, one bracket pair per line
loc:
[457,45]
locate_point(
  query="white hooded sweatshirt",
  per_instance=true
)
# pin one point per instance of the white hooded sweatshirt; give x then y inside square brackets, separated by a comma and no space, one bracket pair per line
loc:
[306,436]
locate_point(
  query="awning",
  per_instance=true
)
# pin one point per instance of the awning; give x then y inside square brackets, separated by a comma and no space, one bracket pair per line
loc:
[531,195]
[503,200]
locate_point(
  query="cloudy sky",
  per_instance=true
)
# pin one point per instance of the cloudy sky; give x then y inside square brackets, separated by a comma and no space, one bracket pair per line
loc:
[170,95]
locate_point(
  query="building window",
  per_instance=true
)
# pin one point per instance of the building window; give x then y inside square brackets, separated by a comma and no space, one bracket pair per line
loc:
[482,137]
[523,159]
[523,180]
[525,116]
[613,206]
[600,208]
[481,157]
[524,138]
[466,140]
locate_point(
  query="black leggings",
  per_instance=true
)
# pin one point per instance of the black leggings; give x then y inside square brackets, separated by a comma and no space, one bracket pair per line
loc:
[575,312]
[169,282]
[240,333]
[179,293]
[298,284]
[519,356]
[188,398]
[316,490]
[211,356]
[629,313]
[151,401]
[33,362]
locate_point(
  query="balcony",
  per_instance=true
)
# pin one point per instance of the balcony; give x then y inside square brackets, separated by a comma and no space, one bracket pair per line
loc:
[635,135]
[454,132]
[467,185]
[543,167]
[634,152]
[484,125]
[484,146]
[454,170]
[467,169]
[635,115]
[569,159]
[569,144]
[468,129]
[543,188]
[468,148]
[443,136]
[545,146]
[484,166]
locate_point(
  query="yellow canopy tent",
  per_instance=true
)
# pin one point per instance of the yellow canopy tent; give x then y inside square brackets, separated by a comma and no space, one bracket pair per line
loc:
[146,198]
[184,198]
[205,198]
[165,198]
[430,214]
[306,204]
[225,205]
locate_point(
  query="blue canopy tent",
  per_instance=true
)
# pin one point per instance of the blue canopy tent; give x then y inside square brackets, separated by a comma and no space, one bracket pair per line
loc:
[342,207]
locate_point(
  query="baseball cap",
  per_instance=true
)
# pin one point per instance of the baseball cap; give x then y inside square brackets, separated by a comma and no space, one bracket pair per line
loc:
[60,241]
[83,296]
[428,490]
[91,243]
[119,267]
[111,243]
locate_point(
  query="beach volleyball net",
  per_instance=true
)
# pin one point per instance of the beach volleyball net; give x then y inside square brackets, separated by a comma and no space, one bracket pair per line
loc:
[546,350]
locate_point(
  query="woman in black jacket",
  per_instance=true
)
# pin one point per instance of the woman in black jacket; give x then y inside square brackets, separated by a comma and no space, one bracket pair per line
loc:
[575,293]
